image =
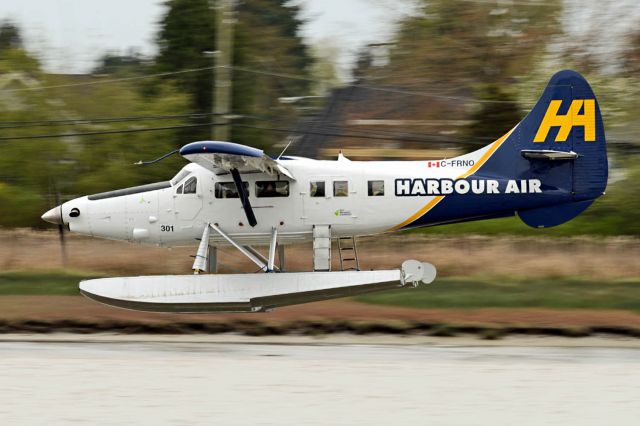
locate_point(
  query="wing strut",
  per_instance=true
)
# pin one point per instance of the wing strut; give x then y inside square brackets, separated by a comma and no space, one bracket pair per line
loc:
[244,197]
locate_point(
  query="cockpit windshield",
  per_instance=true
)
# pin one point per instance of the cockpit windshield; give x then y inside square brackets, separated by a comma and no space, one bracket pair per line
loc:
[190,185]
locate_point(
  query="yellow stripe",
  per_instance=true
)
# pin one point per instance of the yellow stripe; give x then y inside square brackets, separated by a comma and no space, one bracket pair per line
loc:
[486,156]
[431,204]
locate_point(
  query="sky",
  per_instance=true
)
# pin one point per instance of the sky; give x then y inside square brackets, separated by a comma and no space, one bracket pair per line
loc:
[604,25]
[70,35]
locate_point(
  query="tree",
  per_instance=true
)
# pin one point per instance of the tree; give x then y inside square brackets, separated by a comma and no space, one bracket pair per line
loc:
[323,71]
[187,31]
[33,171]
[497,106]
[265,38]
[9,36]
[363,66]
[470,43]
[472,50]
[25,169]
[131,62]
[632,57]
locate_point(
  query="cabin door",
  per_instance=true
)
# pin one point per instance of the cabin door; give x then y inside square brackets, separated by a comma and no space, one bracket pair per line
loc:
[188,200]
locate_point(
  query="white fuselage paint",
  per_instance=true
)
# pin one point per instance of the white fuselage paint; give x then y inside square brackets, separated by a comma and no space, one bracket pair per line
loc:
[164,217]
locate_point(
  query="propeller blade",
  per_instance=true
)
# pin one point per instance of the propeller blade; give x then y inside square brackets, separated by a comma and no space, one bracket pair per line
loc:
[244,197]
[63,242]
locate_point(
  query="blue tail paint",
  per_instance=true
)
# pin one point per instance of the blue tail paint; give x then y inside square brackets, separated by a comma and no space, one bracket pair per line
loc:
[566,118]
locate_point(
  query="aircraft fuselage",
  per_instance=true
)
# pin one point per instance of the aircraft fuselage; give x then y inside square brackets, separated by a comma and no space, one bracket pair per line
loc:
[353,197]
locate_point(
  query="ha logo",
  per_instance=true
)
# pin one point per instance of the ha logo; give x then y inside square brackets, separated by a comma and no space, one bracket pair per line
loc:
[568,121]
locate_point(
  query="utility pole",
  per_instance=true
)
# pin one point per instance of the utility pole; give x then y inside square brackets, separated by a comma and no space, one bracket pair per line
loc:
[225,20]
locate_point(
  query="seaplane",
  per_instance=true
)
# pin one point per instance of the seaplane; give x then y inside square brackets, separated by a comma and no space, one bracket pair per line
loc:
[546,170]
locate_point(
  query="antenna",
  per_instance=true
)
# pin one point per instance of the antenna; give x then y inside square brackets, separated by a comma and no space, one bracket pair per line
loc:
[285,148]
[147,163]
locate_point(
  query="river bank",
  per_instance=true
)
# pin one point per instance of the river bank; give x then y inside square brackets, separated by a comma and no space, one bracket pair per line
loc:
[75,314]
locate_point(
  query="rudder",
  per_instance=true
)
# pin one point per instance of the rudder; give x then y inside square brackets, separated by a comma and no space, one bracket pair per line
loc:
[567,118]
[565,123]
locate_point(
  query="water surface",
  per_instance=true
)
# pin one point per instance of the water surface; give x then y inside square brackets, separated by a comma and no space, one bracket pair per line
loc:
[173,382]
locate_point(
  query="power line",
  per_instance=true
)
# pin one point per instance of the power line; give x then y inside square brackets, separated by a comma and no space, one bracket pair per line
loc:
[336,132]
[261,72]
[98,120]
[373,88]
[511,3]
[377,133]
[115,80]
[360,136]
[105,132]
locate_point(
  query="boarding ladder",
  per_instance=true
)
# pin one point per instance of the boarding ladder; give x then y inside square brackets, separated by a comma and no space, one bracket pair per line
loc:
[348,252]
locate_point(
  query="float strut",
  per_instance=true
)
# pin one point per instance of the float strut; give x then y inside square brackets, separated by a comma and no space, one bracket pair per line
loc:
[212,260]
[201,260]
[281,257]
[272,249]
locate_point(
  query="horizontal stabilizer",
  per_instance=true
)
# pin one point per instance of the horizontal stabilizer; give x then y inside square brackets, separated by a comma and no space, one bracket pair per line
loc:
[546,217]
[548,154]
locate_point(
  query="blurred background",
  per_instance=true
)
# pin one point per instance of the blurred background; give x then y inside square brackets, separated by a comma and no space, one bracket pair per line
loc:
[89,88]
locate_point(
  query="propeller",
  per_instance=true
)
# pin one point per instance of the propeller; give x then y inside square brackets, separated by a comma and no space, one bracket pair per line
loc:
[63,241]
[54,215]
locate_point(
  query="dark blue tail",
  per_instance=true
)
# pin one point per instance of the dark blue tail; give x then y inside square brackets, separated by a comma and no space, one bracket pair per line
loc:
[561,142]
[558,150]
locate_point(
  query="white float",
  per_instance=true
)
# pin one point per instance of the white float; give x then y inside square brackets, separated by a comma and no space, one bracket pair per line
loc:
[247,292]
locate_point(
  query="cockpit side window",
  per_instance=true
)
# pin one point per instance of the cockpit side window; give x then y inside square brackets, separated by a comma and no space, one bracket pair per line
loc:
[179,190]
[190,185]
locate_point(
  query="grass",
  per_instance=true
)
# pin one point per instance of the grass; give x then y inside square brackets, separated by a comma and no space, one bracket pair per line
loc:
[461,293]
[41,282]
[554,293]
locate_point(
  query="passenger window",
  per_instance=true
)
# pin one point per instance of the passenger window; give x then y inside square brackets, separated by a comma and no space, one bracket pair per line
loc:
[375,188]
[228,189]
[340,188]
[190,185]
[316,189]
[272,188]
[179,190]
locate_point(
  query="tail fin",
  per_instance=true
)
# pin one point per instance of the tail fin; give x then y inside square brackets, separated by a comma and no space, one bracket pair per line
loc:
[562,143]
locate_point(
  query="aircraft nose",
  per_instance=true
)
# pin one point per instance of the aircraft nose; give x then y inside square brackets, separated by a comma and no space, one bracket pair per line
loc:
[53,216]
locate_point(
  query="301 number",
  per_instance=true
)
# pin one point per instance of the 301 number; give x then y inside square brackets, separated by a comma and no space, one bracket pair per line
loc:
[166,228]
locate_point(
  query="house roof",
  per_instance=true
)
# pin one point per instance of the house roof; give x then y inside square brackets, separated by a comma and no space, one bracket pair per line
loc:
[385,117]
